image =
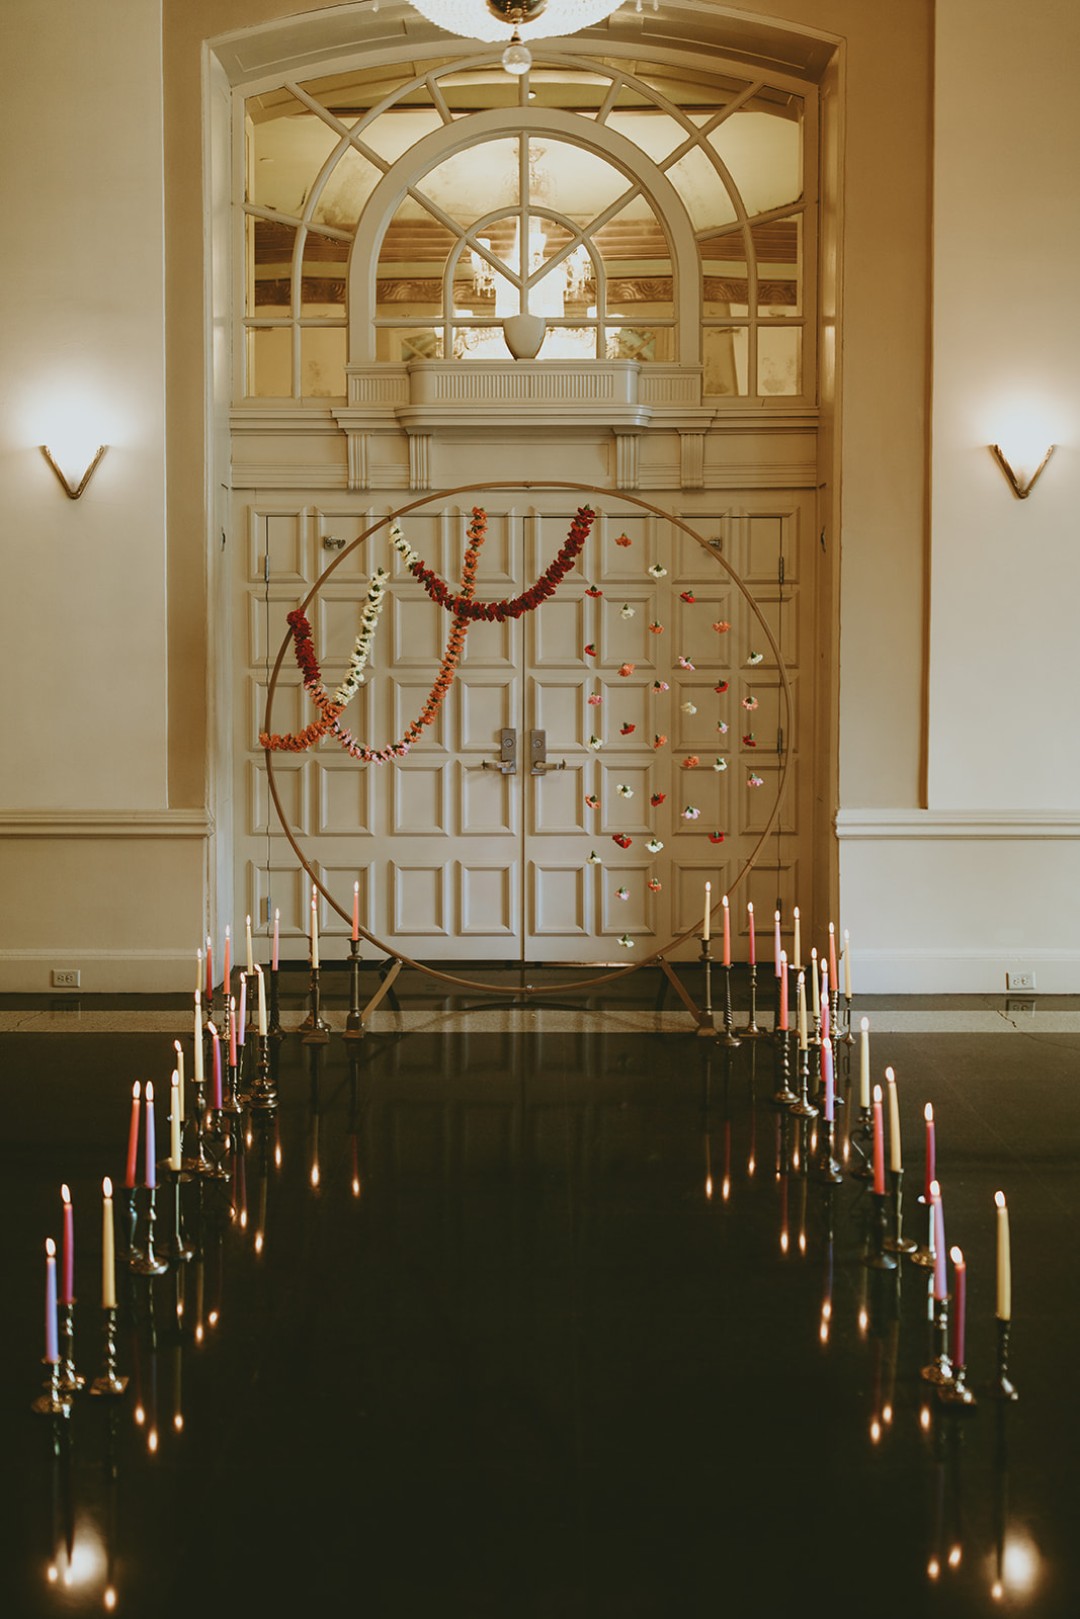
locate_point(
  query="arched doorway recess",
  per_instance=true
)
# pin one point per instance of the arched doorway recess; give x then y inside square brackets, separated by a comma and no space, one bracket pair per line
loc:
[365,375]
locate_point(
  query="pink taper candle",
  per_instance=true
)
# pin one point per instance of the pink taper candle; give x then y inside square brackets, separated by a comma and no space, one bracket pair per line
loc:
[941,1289]
[727,932]
[356,910]
[830,1079]
[226,971]
[277,940]
[783,1007]
[67,1280]
[215,1049]
[959,1302]
[151,1153]
[133,1138]
[209,970]
[52,1332]
[750,925]
[931,1152]
[879,1144]
[232,1030]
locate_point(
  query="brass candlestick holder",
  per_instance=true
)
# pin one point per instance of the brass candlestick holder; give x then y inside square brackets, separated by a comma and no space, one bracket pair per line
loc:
[1002,1387]
[354,1022]
[802,1107]
[938,1369]
[825,1167]
[70,1381]
[957,1394]
[925,1255]
[783,1095]
[878,1256]
[706,1023]
[174,1246]
[896,1242]
[146,1262]
[198,1163]
[109,1383]
[56,1401]
[315,1029]
[130,1218]
[847,1037]
[861,1137]
[274,1030]
[750,1030]
[729,1037]
[264,1096]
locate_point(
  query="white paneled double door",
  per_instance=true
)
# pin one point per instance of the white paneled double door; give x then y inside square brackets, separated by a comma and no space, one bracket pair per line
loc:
[543,814]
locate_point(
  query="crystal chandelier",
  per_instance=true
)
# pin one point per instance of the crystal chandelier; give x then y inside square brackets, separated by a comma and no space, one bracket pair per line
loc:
[538,19]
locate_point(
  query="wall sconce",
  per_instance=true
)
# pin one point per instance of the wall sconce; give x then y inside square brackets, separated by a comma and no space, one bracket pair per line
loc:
[74,490]
[1020,483]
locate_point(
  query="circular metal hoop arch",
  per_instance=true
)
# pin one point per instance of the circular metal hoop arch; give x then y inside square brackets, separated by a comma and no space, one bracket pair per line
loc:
[523,485]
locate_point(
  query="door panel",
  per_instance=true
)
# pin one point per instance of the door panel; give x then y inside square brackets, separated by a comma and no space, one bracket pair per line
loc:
[459,860]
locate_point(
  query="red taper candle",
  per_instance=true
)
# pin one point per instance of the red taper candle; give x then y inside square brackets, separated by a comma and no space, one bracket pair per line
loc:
[959,1302]
[931,1151]
[879,1144]
[356,910]
[67,1280]
[133,1138]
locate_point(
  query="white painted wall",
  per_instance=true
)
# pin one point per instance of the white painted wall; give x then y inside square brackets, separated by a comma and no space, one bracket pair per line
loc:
[81,331]
[984,877]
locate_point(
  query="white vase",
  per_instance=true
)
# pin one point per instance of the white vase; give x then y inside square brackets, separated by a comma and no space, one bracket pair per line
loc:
[524,335]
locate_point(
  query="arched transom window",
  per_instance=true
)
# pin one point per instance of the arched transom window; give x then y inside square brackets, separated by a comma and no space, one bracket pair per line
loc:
[645,211]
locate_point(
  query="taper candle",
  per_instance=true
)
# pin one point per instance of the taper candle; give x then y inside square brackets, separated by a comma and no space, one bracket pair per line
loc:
[823,1005]
[796,948]
[847,964]
[804,1036]
[895,1160]
[176,1161]
[108,1248]
[879,1145]
[834,979]
[232,1030]
[226,969]
[133,1137]
[750,926]
[314,934]
[262,1000]
[215,1069]
[864,1063]
[241,1016]
[776,942]
[199,1075]
[959,1303]
[727,932]
[67,1269]
[277,940]
[931,1152]
[783,1006]
[199,970]
[250,956]
[178,1048]
[52,1328]
[1004,1260]
[151,1154]
[940,1253]
[830,1079]
[815,980]
[356,911]
[706,921]
[209,969]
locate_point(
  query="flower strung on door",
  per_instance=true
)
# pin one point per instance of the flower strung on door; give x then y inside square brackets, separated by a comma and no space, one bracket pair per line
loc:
[622,893]
[626,941]
[721,626]
[719,763]
[624,791]
[658,570]
[660,685]
[592,801]
[622,539]
[690,762]
[593,859]
[654,885]
[717,837]
[688,707]
[754,780]
[755,657]
[687,596]
[654,845]
[621,839]
[657,799]
[658,741]
[590,650]
[656,628]
[595,742]
[749,740]
[750,703]
[690,812]
[684,663]
[628,729]
[722,727]
[626,611]
[591,590]
[626,670]
[721,687]
[594,698]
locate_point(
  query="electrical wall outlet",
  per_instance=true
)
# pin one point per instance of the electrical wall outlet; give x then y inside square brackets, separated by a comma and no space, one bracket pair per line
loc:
[1019,1008]
[1020,980]
[65,978]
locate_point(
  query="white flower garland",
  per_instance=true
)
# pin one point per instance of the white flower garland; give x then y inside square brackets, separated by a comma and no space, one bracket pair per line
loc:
[369,623]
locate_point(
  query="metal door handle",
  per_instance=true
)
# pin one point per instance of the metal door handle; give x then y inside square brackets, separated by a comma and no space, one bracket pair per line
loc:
[538,765]
[507,760]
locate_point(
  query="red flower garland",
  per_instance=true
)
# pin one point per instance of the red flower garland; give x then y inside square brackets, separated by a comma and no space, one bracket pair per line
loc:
[497,612]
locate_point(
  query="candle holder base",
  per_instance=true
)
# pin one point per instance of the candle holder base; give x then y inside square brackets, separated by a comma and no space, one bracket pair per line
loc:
[54,1402]
[957,1395]
[938,1369]
[1002,1387]
[825,1167]
[896,1242]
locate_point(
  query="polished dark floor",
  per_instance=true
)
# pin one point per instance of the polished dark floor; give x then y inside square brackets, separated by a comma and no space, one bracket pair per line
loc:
[532,1325]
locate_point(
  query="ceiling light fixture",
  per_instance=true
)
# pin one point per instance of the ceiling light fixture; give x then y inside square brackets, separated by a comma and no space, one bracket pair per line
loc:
[488,20]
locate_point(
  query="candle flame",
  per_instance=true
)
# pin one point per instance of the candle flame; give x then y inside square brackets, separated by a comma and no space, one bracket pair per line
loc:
[258,1242]
[928,1112]
[997,1590]
[823,1332]
[149,1090]
[725,1188]
[875,1430]
[750,906]
[877,1093]
[935,1189]
[886,1414]
[864,1025]
[784,1241]
[65,1193]
[152,1441]
[933,1568]
[176,1077]
[50,1248]
[924,1418]
[356,1186]
[956,1256]
[176,1043]
[140,1415]
[135,1089]
[999,1199]
[864,1322]
[106,1187]
[956,1554]
[52,1573]
[178,1422]
[802,1242]
[708,1186]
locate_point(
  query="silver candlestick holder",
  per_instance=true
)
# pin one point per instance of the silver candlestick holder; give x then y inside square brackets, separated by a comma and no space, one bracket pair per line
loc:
[750,1029]
[109,1383]
[939,1370]
[315,1029]
[354,1021]
[70,1381]
[146,1261]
